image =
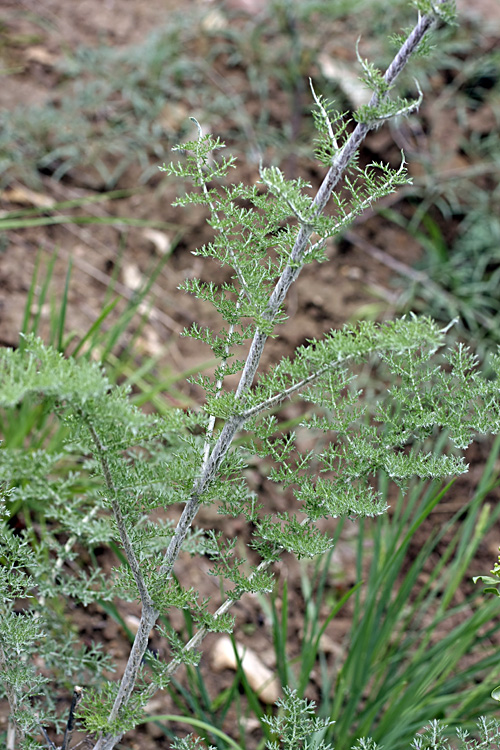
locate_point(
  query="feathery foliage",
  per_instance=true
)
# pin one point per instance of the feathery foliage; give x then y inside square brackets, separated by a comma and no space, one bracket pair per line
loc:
[139,464]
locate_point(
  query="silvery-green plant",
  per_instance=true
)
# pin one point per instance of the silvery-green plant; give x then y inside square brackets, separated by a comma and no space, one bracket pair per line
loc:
[298,727]
[134,464]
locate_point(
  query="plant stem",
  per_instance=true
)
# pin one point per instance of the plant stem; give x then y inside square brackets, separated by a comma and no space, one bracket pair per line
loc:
[13,727]
[212,462]
[334,174]
[120,521]
[70,725]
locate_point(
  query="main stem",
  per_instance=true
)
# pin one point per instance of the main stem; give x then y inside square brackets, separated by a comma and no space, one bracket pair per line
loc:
[212,462]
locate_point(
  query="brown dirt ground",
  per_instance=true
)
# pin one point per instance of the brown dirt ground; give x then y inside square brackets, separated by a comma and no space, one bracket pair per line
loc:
[352,282]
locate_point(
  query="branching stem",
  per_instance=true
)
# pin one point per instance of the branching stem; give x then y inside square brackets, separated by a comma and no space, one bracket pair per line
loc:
[333,176]
[120,521]
[213,460]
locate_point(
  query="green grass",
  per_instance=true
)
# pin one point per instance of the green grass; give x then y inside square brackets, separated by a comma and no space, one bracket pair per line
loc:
[421,643]
[395,673]
[395,676]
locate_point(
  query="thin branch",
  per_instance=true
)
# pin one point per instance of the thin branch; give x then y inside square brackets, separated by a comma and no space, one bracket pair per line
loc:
[149,613]
[120,521]
[326,118]
[218,385]
[226,605]
[213,209]
[287,393]
[70,725]
[127,684]
[47,739]
[13,728]
[339,165]
[386,187]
